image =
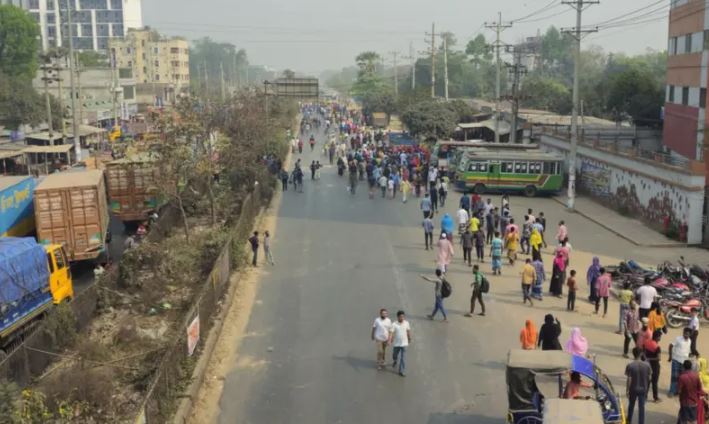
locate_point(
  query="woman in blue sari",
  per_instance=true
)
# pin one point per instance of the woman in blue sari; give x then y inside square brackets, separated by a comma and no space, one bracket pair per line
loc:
[537,287]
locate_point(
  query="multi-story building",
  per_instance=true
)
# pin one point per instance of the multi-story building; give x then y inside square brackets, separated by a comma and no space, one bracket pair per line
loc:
[94,22]
[104,94]
[685,114]
[160,65]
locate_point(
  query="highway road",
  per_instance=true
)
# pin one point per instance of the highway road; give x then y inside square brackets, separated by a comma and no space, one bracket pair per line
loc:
[306,356]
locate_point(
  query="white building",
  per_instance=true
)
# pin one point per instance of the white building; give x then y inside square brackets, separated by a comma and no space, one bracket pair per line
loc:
[94,21]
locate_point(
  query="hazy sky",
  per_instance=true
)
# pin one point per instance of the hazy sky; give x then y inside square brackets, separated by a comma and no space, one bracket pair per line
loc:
[314,35]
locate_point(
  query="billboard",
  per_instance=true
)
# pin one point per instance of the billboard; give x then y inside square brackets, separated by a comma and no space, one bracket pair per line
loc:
[299,88]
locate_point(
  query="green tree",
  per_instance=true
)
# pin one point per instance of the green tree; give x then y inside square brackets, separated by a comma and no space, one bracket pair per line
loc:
[634,91]
[207,60]
[557,53]
[19,42]
[478,51]
[288,73]
[93,59]
[546,93]
[20,104]
[430,119]
[367,62]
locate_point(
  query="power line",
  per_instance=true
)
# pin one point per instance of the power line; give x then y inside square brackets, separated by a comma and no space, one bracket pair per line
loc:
[629,13]
[544,18]
[546,7]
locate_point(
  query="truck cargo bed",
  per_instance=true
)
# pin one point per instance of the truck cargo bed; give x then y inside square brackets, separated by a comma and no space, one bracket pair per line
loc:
[71,209]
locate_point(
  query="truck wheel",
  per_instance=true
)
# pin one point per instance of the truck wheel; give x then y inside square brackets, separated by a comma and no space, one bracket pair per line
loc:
[530,191]
[479,188]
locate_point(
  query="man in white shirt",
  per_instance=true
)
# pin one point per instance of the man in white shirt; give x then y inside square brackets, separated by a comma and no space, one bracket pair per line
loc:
[463,217]
[380,334]
[647,295]
[400,339]
[680,349]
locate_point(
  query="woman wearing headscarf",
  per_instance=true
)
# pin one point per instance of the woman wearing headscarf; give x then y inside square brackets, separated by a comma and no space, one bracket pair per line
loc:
[528,336]
[594,271]
[704,378]
[445,253]
[557,275]
[549,333]
[535,240]
[538,286]
[577,343]
[656,319]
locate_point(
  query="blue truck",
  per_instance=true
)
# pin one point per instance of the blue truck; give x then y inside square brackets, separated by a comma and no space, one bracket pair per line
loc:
[16,206]
[33,277]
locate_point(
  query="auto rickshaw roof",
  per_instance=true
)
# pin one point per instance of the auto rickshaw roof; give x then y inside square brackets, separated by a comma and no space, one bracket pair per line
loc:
[572,411]
[549,361]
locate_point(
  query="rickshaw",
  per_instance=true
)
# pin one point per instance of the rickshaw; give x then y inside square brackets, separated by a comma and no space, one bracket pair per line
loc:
[565,411]
[536,376]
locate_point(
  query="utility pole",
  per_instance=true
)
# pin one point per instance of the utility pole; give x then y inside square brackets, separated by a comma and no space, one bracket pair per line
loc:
[517,70]
[498,27]
[445,65]
[396,73]
[577,34]
[412,56]
[60,97]
[72,82]
[45,78]
[221,72]
[79,109]
[206,78]
[114,89]
[433,60]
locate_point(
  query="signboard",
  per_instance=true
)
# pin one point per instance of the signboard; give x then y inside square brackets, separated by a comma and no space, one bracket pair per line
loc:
[192,335]
[299,88]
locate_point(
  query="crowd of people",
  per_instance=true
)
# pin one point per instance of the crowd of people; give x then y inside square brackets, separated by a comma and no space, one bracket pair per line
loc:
[492,232]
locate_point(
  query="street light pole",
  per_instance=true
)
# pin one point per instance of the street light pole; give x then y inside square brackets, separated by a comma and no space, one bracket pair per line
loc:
[72,66]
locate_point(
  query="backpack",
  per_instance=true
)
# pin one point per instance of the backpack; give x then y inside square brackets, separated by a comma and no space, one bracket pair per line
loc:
[484,285]
[446,288]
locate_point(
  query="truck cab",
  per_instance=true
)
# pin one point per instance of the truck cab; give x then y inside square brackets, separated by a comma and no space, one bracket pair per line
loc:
[60,281]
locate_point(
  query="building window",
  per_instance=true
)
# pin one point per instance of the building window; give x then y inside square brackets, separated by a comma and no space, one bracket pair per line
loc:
[144,57]
[125,73]
[130,63]
[673,46]
[157,63]
[702,98]
[129,92]
[34,4]
[128,50]
[671,97]
[685,96]
[156,50]
[116,5]
[156,77]
[688,43]
[174,50]
[102,30]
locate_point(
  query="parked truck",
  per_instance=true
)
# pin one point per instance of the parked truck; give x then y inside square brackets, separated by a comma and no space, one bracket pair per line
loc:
[32,279]
[16,207]
[71,209]
[132,187]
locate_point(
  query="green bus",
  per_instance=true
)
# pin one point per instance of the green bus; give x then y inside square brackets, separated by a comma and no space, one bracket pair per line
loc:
[497,170]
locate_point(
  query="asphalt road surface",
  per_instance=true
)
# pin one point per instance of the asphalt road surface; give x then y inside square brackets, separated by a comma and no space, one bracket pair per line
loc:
[307,355]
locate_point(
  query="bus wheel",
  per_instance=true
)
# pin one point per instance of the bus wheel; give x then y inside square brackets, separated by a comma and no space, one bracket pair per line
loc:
[479,188]
[530,191]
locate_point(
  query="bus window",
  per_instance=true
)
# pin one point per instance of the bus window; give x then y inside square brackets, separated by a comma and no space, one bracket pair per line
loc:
[559,168]
[535,168]
[482,167]
[550,168]
[520,167]
[507,167]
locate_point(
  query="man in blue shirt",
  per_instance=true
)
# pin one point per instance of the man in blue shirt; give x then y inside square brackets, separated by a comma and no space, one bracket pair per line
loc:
[465,203]
[428,231]
[496,254]
[426,206]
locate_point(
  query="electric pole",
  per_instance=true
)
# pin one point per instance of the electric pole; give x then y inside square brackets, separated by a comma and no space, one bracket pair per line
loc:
[445,65]
[80,109]
[412,57]
[221,72]
[45,78]
[577,34]
[433,60]
[114,90]
[60,97]
[72,66]
[396,73]
[516,70]
[498,27]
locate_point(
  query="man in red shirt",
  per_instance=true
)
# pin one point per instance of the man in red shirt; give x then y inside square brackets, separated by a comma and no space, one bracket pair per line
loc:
[690,393]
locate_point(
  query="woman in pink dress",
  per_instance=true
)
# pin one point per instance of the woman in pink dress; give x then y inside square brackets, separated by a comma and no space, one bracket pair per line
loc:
[445,253]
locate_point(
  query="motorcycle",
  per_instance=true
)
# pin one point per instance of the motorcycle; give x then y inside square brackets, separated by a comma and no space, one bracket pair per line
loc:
[679,313]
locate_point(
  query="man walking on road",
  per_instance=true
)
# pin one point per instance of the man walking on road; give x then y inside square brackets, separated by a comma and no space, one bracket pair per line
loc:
[477,292]
[438,290]
[690,394]
[254,247]
[267,248]
[400,339]
[467,240]
[426,206]
[428,231]
[637,385]
[380,334]
[529,276]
